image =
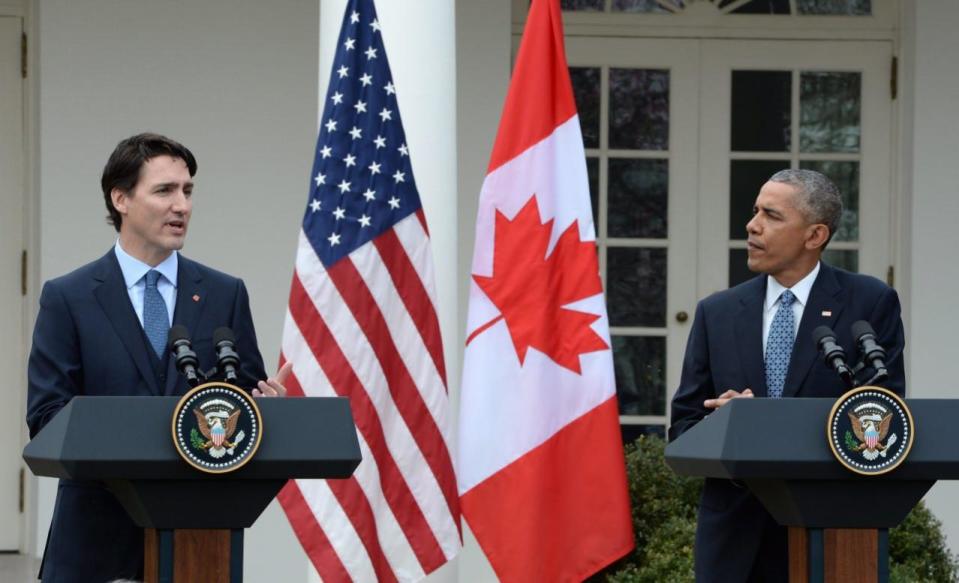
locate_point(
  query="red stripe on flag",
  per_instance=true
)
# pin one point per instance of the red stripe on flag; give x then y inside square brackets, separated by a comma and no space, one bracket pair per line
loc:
[540,71]
[345,382]
[293,386]
[411,290]
[357,508]
[405,393]
[579,528]
[422,218]
[311,535]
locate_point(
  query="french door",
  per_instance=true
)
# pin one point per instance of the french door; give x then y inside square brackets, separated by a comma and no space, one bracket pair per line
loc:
[12,353]
[680,134]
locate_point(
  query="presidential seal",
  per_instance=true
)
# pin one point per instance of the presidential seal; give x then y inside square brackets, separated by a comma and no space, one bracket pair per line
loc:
[217,427]
[870,430]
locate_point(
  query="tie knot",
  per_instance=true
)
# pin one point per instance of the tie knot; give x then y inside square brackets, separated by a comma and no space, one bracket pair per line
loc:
[787,298]
[152,276]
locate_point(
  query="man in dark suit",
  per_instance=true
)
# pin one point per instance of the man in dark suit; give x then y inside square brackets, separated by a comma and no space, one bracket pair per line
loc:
[755,340]
[101,330]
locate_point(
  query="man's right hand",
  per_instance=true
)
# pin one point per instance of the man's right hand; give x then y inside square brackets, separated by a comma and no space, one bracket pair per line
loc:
[726,397]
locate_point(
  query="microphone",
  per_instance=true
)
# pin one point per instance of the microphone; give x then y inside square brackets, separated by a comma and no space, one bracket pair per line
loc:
[227,359]
[873,354]
[186,361]
[832,353]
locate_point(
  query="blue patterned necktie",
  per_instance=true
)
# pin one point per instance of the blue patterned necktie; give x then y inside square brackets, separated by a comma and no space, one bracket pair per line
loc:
[156,321]
[779,345]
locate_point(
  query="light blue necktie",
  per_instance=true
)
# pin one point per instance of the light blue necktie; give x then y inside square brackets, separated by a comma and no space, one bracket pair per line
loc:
[779,345]
[156,321]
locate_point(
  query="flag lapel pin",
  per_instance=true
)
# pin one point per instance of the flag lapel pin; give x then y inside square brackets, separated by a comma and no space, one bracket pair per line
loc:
[827,313]
[196,297]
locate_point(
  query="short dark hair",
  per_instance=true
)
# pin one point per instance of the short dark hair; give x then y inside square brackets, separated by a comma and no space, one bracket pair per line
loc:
[123,168]
[819,199]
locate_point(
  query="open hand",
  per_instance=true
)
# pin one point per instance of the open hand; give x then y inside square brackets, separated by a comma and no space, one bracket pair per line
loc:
[726,397]
[273,386]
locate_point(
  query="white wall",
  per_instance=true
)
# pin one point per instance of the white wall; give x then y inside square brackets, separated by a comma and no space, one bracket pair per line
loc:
[935,209]
[234,80]
[419,38]
[483,43]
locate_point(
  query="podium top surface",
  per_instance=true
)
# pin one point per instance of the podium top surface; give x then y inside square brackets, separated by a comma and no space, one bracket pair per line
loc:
[130,438]
[786,439]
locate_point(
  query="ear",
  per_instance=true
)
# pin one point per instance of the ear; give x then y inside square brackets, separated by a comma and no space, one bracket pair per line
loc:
[119,199]
[817,236]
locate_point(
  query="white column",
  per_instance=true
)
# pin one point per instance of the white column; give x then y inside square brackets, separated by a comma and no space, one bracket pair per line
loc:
[420,42]
[484,46]
[934,179]
[419,39]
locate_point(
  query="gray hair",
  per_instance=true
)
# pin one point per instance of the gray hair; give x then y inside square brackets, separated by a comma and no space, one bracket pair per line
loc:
[818,199]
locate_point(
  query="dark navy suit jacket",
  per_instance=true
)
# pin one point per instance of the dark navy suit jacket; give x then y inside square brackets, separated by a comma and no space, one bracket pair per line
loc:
[725,351]
[88,341]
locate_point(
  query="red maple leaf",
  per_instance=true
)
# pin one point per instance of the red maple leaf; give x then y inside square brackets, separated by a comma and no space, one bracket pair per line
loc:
[530,289]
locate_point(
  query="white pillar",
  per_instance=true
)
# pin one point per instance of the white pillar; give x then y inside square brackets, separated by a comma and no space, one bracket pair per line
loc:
[934,178]
[419,38]
[483,50]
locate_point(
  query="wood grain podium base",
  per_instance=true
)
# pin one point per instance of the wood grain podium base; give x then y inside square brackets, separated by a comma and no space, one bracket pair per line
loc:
[185,555]
[838,555]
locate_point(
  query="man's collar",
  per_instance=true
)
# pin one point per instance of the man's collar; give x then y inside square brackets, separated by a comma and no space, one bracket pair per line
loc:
[133,269]
[801,290]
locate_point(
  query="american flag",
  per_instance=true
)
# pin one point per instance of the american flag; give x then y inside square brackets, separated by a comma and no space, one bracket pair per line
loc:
[362,323]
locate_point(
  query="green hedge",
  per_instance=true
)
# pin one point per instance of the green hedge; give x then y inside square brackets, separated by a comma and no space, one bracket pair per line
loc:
[664,508]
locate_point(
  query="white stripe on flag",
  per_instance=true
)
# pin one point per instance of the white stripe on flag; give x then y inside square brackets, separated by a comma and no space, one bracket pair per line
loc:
[356,348]
[331,518]
[405,335]
[416,243]
[427,380]
[392,539]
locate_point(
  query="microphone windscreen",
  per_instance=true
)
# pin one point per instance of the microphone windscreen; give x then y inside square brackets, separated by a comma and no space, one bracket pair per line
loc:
[822,332]
[223,333]
[177,333]
[860,328]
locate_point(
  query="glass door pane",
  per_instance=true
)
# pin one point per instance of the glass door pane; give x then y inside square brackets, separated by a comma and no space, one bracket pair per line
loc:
[638,109]
[769,105]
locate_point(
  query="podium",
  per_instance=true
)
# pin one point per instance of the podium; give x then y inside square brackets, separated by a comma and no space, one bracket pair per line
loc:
[838,520]
[186,537]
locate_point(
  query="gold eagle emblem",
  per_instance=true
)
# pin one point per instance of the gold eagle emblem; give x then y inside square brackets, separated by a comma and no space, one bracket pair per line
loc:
[871,431]
[207,428]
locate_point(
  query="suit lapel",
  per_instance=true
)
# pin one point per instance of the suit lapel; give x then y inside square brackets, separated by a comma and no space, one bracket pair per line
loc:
[749,332]
[111,294]
[823,299]
[191,296]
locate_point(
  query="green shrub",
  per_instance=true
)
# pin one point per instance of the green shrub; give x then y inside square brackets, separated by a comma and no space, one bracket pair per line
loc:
[918,551]
[664,507]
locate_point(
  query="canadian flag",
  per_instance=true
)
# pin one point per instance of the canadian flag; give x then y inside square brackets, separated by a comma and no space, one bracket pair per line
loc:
[541,472]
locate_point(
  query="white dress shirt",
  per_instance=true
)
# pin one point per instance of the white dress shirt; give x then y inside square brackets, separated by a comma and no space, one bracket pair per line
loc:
[774,289]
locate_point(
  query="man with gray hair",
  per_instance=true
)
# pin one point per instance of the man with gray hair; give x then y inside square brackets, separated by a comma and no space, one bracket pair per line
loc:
[755,340]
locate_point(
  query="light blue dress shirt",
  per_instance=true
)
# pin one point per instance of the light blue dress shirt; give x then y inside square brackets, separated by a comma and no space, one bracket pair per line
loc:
[134,275]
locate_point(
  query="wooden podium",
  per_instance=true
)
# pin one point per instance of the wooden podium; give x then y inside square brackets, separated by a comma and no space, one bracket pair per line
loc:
[188,538]
[838,520]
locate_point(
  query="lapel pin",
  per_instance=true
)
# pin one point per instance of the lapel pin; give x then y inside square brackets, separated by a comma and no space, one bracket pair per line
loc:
[825,313]
[196,298]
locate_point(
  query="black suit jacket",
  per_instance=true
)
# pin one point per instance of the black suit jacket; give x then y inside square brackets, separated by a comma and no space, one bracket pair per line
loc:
[725,351]
[88,341]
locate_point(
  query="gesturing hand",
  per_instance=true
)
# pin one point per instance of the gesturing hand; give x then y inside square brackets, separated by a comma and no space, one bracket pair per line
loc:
[726,397]
[273,386]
